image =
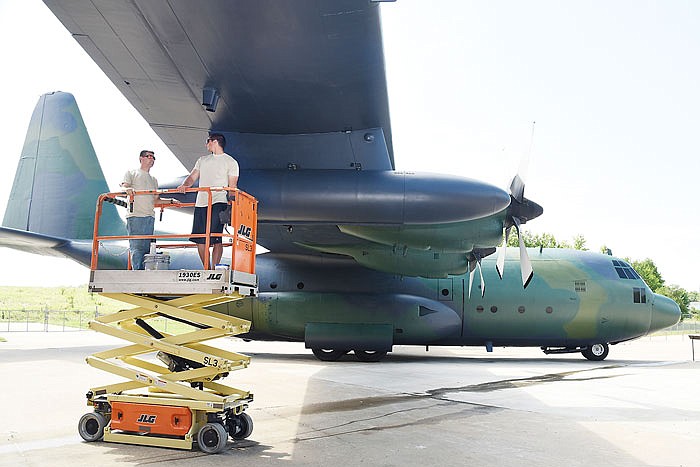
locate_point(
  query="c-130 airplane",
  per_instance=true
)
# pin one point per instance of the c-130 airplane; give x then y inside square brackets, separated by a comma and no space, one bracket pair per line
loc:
[361,257]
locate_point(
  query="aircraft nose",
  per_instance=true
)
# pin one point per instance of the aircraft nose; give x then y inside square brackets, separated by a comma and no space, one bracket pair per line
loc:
[665,313]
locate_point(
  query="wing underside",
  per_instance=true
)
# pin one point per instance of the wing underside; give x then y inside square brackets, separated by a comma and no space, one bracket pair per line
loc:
[305,68]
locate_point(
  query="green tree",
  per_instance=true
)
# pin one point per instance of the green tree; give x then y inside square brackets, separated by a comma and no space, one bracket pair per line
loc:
[694,296]
[545,240]
[678,295]
[580,243]
[649,272]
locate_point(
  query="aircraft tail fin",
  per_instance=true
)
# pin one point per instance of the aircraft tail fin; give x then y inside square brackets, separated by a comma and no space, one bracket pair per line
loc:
[59,177]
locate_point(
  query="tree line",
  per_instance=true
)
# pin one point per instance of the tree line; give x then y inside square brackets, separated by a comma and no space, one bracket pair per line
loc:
[645,268]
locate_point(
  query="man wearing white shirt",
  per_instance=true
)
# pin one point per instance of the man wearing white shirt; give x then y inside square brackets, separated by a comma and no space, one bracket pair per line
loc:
[216,169]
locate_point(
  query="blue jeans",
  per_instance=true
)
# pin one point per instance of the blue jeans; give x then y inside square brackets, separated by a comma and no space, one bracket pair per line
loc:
[139,247]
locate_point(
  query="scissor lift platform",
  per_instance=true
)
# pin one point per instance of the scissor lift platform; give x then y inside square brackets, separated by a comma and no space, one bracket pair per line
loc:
[174,282]
[172,396]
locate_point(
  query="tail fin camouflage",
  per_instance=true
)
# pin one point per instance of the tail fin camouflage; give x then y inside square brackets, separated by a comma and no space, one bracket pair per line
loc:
[59,177]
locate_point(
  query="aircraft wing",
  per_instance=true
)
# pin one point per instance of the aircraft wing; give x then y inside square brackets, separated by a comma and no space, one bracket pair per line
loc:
[299,83]
[299,90]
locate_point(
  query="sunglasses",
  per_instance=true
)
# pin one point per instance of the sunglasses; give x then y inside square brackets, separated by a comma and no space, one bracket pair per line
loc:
[150,156]
[209,140]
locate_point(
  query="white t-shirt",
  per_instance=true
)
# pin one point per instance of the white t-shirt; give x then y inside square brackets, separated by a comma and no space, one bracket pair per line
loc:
[214,170]
[141,180]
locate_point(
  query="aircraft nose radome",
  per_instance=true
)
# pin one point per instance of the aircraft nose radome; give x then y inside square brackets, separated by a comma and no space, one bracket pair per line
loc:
[665,313]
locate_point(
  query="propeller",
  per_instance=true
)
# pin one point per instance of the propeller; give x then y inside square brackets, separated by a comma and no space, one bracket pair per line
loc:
[519,212]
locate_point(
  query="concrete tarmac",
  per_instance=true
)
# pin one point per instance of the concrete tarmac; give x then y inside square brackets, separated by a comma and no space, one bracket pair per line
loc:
[449,406]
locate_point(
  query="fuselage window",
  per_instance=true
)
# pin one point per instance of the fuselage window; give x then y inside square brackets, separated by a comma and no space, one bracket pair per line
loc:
[640,294]
[521,309]
[494,309]
[480,309]
[549,309]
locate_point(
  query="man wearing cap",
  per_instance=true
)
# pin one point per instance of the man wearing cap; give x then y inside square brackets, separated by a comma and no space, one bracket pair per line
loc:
[141,219]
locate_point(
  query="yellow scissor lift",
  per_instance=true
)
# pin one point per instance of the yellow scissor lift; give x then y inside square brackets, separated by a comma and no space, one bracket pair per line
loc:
[171,396]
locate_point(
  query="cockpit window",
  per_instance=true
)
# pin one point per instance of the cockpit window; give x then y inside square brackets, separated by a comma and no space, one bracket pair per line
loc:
[639,294]
[624,270]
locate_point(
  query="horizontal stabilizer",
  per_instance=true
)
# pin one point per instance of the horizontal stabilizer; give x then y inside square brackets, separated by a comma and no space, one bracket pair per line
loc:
[46,245]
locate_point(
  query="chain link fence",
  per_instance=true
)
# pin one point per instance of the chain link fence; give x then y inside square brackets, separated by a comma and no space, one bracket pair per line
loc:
[57,320]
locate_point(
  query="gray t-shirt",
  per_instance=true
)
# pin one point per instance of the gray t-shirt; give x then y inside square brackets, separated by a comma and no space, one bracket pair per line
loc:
[141,180]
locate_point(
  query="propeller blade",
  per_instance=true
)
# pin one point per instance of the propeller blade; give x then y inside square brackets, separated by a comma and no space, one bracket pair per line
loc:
[517,188]
[501,261]
[471,277]
[525,264]
[481,274]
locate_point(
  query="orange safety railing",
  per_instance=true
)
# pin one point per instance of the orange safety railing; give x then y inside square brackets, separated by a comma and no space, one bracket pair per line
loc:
[244,221]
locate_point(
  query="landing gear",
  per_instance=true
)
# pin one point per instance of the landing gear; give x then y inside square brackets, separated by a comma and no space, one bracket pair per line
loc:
[596,352]
[370,355]
[333,355]
[328,355]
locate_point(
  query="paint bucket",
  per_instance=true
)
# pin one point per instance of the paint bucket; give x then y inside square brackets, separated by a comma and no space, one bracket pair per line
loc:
[156,261]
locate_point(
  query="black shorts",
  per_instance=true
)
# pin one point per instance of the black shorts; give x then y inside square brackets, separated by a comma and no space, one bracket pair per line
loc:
[199,223]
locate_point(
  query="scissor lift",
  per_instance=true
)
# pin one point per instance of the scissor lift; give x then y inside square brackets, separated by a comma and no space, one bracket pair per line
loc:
[172,396]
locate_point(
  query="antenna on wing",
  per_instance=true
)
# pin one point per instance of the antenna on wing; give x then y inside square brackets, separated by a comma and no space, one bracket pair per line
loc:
[519,212]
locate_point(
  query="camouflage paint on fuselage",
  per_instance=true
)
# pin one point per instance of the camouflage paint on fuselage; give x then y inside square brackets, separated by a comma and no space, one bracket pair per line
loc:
[576,299]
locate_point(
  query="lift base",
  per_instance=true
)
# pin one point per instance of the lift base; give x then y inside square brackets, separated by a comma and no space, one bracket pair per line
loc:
[179,403]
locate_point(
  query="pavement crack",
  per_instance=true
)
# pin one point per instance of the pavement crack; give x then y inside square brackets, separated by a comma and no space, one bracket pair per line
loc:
[333,431]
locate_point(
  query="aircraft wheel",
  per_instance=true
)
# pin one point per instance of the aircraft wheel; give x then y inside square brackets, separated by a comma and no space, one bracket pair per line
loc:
[244,426]
[328,355]
[92,426]
[212,438]
[596,352]
[370,355]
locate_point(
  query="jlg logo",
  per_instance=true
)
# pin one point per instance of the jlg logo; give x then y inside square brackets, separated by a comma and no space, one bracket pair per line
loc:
[244,230]
[214,277]
[145,418]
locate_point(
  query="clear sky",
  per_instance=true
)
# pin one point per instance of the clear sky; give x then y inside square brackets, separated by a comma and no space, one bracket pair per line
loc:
[612,86]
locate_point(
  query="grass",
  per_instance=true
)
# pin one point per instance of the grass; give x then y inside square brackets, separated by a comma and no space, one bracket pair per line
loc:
[55,299]
[63,307]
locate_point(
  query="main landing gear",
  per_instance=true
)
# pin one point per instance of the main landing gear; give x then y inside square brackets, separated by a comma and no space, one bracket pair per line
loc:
[332,355]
